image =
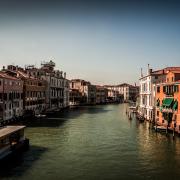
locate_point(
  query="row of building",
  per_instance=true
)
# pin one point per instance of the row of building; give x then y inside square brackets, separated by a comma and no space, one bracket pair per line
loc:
[160,97]
[83,92]
[32,91]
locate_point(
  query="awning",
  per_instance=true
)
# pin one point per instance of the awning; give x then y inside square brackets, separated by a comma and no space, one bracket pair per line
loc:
[175,106]
[167,102]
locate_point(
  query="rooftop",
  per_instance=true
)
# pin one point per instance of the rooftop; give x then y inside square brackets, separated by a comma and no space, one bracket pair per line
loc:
[163,71]
[6,76]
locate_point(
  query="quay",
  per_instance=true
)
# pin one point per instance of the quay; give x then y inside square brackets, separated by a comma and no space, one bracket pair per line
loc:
[12,143]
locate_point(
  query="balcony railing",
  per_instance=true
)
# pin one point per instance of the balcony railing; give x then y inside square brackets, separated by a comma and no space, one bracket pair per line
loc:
[167,110]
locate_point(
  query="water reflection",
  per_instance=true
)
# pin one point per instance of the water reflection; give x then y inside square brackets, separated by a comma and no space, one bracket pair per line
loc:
[97,142]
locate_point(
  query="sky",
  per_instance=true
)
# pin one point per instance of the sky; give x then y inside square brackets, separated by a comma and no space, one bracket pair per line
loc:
[105,42]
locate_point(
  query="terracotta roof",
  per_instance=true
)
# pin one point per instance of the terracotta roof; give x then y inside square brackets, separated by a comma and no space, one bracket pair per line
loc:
[6,76]
[25,75]
[175,71]
[120,85]
[162,71]
[166,70]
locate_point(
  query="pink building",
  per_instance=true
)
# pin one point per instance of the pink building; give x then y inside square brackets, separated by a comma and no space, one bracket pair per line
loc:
[11,102]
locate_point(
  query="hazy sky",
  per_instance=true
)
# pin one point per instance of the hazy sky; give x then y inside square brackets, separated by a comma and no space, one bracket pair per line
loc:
[105,42]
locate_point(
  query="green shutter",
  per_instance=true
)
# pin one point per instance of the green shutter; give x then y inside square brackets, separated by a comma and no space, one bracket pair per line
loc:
[175,106]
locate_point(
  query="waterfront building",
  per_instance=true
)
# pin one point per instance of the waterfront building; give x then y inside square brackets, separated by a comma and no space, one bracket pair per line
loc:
[125,92]
[168,101]
[34,97]
[113,95]
[57,89]
[87,90]
[101,95]
[11,99]
[128,91]
[147,90]
[75,97]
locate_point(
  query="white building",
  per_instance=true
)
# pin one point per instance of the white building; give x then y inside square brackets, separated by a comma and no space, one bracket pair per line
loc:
[57,90]
[148,91]
[129,92]
[86,89]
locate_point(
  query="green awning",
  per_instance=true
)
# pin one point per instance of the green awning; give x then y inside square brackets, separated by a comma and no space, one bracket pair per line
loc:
[167,102]
[175,106]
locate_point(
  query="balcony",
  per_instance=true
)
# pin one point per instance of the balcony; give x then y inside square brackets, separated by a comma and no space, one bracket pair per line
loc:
[167,110]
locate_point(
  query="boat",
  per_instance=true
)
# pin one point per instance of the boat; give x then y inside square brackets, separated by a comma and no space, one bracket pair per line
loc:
[12,143]
[160,128]
[133,109]
[40,116]
[140,117]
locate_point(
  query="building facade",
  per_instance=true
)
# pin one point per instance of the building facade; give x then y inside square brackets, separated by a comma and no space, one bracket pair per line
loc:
[34,97]
[148,92]
[57,90]
[113,95]
[75,97]
[11,97]
[86,89]
[168,101]
[101,95]
[128,91]
[123,92]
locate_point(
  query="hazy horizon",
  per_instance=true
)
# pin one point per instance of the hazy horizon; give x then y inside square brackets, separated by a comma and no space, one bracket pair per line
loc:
[105,42]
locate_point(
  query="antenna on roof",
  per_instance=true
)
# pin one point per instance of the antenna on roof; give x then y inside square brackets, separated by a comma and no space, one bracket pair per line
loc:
[141,72]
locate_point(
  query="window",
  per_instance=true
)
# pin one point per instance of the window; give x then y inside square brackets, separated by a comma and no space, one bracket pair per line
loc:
[158,89]
[157,113]
[176,88]
[164,89]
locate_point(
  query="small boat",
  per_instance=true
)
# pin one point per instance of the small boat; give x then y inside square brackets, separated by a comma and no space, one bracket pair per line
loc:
[140,117]
[12,142]
[133,109]
[39,116]
[160,128]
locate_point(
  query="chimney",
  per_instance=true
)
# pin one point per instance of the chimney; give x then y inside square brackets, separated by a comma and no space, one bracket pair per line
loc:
[141,73]
[149,70]
[65,75]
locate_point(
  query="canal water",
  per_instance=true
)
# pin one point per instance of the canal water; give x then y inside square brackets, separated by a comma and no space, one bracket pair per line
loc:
[97,142]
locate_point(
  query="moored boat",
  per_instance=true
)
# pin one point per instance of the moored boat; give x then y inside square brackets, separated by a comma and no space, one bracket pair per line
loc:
[160,128]
[133,109]
[40,116]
